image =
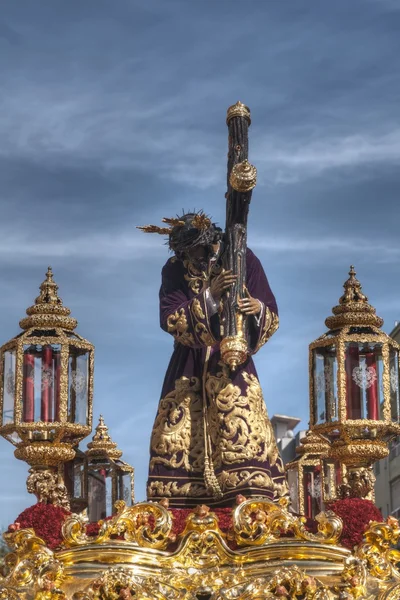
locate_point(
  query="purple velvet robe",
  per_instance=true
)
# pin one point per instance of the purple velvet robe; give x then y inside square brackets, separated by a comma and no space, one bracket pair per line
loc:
[212,438]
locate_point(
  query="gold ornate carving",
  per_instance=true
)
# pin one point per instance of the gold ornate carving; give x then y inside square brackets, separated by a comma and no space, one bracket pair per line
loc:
[121,584]
[47,487]
[177,325]
[243,177]
[238,110]
[31,564]
[132,522]
[378,552]
[273,518]
[358,483]
[286,582]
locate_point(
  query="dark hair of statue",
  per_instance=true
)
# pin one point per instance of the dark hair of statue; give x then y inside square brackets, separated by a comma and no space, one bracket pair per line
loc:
[185,237]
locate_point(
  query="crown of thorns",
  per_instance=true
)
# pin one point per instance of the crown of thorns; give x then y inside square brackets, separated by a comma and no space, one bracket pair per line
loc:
[186,231]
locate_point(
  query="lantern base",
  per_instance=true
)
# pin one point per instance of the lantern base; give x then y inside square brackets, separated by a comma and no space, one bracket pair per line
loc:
[44,454]
[359,453]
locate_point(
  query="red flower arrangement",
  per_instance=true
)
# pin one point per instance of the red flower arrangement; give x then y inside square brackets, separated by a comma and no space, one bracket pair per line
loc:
[356,515]
[46,520]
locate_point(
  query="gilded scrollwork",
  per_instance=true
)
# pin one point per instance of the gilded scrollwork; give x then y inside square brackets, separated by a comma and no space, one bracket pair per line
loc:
[286,582]
[258,521]
[378,549]
[117,583]
[133,523]
[44,483]
[30,564]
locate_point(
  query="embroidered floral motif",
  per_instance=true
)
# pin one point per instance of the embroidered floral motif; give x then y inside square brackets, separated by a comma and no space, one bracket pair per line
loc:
[177,325]
[172,488]
[178,435]
[197,310]
[239,425]
[271,324]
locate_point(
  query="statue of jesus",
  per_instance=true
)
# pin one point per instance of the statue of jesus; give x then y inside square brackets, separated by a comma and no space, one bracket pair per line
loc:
[212,438]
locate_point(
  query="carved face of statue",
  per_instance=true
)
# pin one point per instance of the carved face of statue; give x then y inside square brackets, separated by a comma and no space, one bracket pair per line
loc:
[200,256]
[125,594]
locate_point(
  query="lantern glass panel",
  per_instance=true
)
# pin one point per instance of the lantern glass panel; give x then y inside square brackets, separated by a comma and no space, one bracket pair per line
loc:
[325,384]
[78,388]
[394,383]
[79,479]
[364,386]
[41,383]
[97,493]
[312,482]
[8,386]
[124,486]
[293,484]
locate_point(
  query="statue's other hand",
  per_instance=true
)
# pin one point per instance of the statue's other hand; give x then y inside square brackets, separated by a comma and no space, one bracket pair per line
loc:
[250,306]
[221,283]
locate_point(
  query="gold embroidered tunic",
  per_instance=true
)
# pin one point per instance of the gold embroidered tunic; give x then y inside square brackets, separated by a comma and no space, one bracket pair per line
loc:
[212,438]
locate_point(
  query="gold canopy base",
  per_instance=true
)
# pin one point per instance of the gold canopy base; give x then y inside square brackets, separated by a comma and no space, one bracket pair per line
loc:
[255,560]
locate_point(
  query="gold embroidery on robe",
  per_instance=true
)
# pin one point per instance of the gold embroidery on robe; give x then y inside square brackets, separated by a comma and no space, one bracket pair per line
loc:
[239,426]
[178,434]
[197,310]
[172,488]
[237,479]
[177,325]
[194,277]
[202,330]
[271,324]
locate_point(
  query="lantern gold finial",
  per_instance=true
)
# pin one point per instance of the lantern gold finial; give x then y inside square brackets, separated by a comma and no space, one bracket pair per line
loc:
[48,310]
[102,445]
[352,289]
[353,308]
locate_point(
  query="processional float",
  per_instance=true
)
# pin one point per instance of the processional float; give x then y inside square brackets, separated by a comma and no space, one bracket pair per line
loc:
[116,549]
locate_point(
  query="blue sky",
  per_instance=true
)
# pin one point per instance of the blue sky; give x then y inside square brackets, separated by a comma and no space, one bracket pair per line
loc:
[112,115]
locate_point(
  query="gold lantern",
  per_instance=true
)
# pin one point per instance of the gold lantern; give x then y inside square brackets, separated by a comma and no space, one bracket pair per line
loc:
[46,394]
[354,388]
[109,478]
[312,477]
